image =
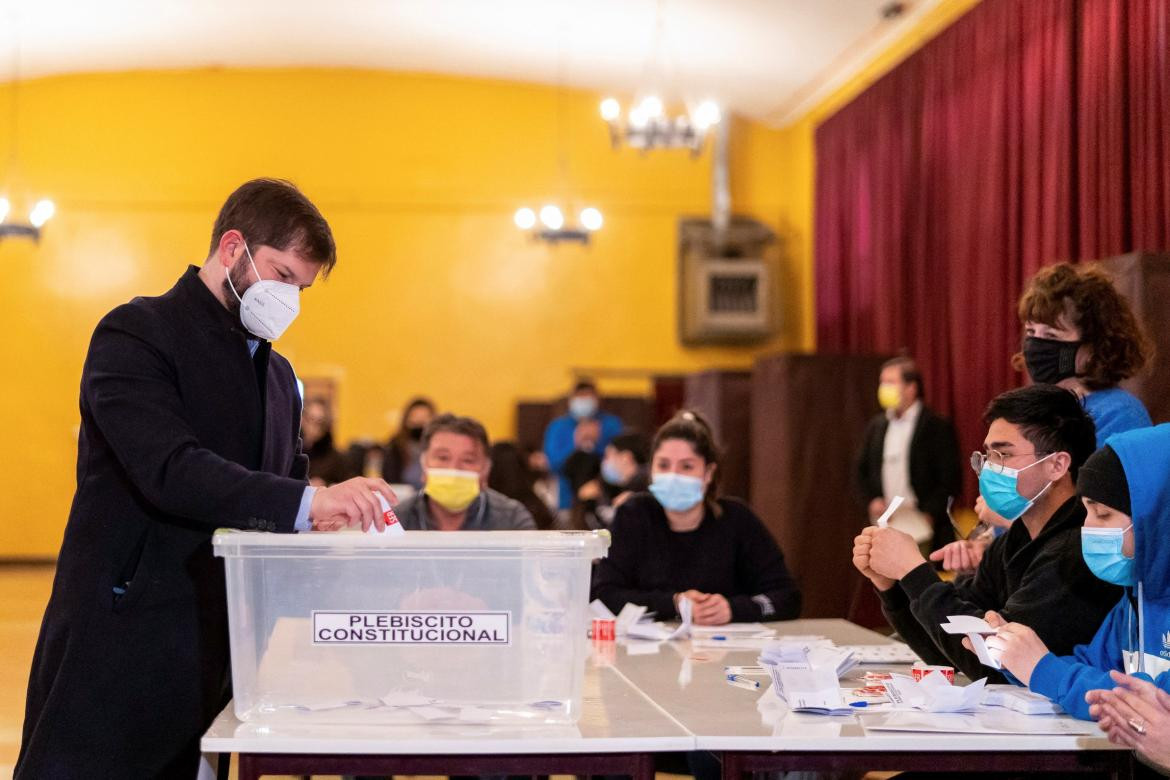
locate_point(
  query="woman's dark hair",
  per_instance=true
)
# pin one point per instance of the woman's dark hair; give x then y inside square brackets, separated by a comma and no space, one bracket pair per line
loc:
[402,434]
[511,476]
[691,427]
[1051,418]
[1085,298]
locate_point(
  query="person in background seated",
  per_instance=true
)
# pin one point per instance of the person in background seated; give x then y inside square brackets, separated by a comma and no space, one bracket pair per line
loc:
[679,541]
[1037,439]
[455,496]
[400,464]
[511,476]
[1125,487]
[327,466]
[624,471]
[910,451]
[1081,334]
[584,429]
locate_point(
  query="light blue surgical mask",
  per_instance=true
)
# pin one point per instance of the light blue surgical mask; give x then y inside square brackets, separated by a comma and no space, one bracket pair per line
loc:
[1000,490]
[677,492]
[582,407]
[1101,548]
[612,474]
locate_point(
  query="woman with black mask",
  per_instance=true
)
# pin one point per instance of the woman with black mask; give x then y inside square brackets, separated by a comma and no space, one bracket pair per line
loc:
[1080,334]
[400,464]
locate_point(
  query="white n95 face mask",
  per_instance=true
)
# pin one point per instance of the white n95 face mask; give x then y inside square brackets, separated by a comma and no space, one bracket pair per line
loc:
[268,307]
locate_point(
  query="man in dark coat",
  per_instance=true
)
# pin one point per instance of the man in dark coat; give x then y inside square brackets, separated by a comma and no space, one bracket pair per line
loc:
[913,452]
[189,422]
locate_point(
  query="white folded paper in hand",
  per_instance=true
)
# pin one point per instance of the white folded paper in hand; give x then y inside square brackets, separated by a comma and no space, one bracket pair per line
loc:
[976,629]
[934,693]
[393,527]
[884,520]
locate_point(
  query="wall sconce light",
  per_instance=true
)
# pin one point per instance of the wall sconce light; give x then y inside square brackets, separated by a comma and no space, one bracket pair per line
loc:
[42,211]
[549,225]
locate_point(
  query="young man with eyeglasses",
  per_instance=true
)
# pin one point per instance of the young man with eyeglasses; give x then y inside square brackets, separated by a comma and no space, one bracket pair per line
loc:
[1037,439]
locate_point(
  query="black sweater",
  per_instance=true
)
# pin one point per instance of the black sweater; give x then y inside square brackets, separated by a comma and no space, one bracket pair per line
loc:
[1042,583]
[731,554]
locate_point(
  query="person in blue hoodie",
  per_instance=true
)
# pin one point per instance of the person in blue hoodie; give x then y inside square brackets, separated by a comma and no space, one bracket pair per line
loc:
[1126,490]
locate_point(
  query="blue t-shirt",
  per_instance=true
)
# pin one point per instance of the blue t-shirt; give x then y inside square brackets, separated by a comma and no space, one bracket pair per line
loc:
[1115,411]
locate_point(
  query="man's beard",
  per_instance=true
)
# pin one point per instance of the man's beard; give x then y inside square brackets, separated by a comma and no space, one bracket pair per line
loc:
[239,278]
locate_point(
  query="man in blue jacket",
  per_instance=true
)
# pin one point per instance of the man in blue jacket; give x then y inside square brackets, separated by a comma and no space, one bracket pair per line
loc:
[1125,541]
[189,422]
[585,429]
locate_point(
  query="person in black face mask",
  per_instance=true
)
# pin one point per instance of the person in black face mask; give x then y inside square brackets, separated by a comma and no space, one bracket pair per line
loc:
[1080,334]
[400,465]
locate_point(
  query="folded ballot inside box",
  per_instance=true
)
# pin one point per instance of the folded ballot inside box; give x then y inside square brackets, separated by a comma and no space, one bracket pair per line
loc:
[418,627]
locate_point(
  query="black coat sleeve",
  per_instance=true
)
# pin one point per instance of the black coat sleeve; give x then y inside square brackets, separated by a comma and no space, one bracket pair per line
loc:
[615,579]
[896,608]
[772,593]
[130,388]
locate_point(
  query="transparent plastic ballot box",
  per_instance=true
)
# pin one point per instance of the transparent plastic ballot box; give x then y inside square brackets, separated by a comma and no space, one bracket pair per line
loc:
[424,627]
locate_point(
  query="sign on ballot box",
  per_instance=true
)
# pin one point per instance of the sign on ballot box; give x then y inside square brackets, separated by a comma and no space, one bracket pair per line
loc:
[483,627]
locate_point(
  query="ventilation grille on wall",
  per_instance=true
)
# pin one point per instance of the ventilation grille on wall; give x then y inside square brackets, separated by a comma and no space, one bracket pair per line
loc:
[725,287]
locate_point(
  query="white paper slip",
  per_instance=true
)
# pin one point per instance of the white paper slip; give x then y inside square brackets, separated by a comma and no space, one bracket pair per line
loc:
[884,520]
[809,690]
[750,671]
[966,624]
[976,629]
[893,653]
[599,610]
[393,527]
[730,643]
[641,647]
[934,693]
[434,713]
[630,615]
[1020,700]
[406,699]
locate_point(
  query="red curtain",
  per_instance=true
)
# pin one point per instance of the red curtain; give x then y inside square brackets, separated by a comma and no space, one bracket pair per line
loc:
[1030,131]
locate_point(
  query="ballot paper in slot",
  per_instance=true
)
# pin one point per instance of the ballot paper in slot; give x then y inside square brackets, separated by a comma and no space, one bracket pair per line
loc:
[976,629]
[393,526]
[933,693]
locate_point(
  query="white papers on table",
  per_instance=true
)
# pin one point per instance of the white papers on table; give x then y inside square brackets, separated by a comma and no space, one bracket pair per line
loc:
[1020,700]
[892,653]
[976,629]
[813,690]
[804,655]
[658,632]
[983,722]
[933,693]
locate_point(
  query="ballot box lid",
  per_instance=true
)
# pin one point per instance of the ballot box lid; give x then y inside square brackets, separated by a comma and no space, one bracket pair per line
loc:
[228,542]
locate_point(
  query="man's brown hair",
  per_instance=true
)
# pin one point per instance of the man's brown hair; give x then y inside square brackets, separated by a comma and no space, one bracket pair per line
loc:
[450,423]
[274,213]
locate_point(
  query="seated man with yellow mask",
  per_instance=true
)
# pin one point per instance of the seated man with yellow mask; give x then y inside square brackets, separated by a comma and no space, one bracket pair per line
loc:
[455,495]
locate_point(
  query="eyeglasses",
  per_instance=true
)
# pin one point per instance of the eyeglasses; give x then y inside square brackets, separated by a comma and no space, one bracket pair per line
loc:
[996,460]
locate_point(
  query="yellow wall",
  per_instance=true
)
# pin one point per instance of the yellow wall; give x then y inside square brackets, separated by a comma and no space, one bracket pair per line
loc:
[435,291]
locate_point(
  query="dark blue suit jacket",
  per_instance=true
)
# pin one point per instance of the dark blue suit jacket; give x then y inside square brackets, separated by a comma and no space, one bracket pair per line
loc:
[182,432]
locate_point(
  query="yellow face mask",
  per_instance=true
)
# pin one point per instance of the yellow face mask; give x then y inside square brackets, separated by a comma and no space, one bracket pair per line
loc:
[889,396]
[454,490]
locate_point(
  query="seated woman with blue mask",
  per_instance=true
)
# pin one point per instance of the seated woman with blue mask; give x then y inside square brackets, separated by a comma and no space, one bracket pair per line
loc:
[1126,490]
[679,540]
